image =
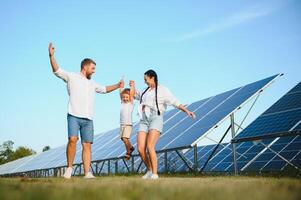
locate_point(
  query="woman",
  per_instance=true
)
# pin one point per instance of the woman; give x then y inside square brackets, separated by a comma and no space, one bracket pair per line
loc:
[153,103]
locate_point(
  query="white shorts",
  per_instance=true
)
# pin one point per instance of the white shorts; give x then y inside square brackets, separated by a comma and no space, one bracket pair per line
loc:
[125,131]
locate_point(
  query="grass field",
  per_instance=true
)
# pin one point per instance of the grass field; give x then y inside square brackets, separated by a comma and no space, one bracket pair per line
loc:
[133,187]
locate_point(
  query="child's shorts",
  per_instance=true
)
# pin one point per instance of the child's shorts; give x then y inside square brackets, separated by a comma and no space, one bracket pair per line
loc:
[154,121]
[125,131]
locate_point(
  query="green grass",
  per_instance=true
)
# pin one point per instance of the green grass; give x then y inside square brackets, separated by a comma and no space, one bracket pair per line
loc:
[133,187]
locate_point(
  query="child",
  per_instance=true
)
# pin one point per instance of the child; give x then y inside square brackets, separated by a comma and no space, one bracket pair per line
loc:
[127,106]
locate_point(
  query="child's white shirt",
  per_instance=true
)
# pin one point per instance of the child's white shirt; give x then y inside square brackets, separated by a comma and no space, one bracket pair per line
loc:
[126,111]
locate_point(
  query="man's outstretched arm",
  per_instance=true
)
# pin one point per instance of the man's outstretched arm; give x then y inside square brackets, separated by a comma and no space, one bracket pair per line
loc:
[53,63]
[113,87]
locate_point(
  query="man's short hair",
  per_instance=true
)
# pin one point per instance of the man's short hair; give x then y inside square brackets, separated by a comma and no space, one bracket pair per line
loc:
[86,61]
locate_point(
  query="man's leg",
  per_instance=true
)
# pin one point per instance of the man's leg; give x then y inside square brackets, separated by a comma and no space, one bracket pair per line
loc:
[87,135]
[71,150]
[73,128]
[86,156]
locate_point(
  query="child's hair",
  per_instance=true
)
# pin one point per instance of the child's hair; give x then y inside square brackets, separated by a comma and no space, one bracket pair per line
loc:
[151,73]
[126,91]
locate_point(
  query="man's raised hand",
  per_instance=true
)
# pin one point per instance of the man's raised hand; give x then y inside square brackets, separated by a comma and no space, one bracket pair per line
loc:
[121,83]
[51,49]
[53,63]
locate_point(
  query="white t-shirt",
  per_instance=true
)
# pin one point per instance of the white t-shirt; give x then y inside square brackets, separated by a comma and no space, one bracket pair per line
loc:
[165,98]
[126,113]
[81,93]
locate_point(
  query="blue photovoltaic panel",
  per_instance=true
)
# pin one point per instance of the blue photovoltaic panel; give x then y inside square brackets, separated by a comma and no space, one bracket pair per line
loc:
[13,166]
[298,127]
[184,131]
[41,161]
[283,116]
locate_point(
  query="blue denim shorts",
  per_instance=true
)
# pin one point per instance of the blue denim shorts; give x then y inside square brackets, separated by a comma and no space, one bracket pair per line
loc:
[154,121]
[80,125]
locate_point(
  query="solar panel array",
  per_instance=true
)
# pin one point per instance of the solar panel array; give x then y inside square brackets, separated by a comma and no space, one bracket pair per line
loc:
[179,130]
[283,116]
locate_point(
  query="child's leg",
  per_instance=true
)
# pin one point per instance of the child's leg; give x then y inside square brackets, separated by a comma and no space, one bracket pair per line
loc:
[122,134]
[127,144]
[126,134]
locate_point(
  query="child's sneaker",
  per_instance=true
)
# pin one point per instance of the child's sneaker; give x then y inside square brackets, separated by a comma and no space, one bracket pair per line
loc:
[68,173]
[89,175]
[147,175]
[154,176]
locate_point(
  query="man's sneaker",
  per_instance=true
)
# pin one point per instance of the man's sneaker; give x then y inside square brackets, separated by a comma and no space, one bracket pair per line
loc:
[154,176]
[147,175]
[68,173]
[89,175]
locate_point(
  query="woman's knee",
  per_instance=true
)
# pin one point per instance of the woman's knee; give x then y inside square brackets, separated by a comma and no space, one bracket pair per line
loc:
[150,148]
[141,150]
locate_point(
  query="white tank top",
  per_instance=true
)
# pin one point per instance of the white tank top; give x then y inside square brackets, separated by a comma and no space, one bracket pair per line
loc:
[126,113]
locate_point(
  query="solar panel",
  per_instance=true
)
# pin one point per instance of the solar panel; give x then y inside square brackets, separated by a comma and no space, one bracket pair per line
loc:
[183,131]
[13,166]
[40,161]
[280,117]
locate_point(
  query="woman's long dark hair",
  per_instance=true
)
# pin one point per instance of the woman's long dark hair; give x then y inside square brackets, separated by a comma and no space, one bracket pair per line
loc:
[151,73]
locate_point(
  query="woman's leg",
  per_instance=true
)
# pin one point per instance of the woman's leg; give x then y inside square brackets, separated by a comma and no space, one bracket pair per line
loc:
[141,143]
[152,140]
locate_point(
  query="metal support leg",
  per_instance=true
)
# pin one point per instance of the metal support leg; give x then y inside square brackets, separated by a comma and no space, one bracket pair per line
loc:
[103,163]
[233,144]
[116,167]
[185,161]
[139,166]
[80,169]
[165,162]
[92,169]
[109,167]
[195,153]
[96,168]
[133,164]
[128,169]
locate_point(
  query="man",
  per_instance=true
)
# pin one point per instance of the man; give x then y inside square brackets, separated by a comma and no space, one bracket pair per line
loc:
[81,90]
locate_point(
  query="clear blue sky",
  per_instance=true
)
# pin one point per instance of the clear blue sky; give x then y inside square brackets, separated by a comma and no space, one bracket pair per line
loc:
[199,49]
